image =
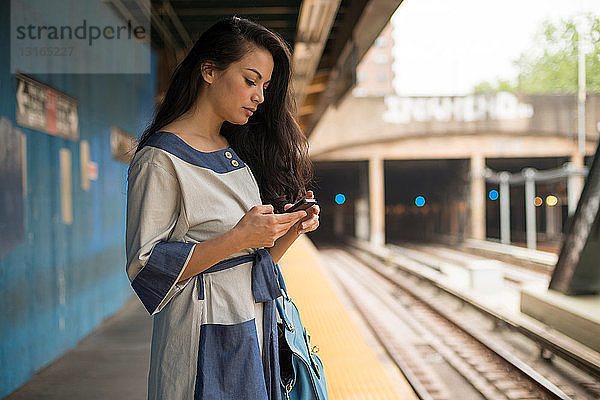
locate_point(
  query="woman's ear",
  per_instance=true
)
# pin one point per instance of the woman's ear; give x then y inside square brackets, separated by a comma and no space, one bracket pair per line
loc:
[207,69]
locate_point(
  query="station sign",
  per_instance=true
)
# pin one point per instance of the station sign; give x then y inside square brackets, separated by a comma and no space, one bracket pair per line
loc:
[46,109]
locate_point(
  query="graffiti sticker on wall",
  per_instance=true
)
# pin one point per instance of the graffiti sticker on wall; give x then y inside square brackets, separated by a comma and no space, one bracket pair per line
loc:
[12,186]
[122,145]
[45,109]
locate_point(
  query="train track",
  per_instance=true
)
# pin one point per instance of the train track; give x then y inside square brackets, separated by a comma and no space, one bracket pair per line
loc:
[549,342]
[391,300]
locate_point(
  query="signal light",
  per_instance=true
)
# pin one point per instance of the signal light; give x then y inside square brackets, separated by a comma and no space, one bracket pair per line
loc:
[340,198]
[493,194]
[420,201]
[551,200]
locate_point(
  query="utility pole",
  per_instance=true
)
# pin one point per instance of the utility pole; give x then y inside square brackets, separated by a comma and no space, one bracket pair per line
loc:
[581,97]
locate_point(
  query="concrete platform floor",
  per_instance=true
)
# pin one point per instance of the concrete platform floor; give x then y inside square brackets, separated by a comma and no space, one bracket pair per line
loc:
[111,363]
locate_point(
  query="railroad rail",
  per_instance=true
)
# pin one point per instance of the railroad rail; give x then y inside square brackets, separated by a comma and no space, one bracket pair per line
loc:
[493,372]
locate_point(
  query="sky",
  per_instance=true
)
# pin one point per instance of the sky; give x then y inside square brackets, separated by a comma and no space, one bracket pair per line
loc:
[446,47]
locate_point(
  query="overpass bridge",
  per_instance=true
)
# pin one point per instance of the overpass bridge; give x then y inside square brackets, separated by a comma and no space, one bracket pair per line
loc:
[385,152]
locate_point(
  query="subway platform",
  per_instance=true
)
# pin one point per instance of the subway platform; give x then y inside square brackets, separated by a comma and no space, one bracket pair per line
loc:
[112,362]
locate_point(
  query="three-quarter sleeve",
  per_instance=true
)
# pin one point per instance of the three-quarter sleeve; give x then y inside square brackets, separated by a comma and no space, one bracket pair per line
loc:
[154,263]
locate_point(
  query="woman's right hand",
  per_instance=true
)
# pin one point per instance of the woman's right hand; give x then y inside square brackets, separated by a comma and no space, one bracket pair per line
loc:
[260,227]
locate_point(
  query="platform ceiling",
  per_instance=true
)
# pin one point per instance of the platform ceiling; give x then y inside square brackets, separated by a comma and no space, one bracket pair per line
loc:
[328,38]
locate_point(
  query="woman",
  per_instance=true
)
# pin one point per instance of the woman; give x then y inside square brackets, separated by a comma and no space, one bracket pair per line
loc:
[211,175]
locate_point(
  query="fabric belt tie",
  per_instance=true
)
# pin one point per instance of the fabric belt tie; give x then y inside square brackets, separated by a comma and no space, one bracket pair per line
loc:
[265,288]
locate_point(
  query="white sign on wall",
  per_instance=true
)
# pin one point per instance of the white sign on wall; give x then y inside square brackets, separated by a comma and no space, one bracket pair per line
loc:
[501,106]
[45,109]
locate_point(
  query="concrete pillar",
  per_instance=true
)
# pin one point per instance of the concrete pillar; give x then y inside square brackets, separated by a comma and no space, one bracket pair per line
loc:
[553,221]
[504,207]
[575,184]
[477,196]
[453,219]
[361,218]
[377,201]
[361,206]
[338,221]
[530,220]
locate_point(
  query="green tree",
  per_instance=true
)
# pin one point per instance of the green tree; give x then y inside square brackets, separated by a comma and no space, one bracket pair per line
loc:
[551,65]
[500,86]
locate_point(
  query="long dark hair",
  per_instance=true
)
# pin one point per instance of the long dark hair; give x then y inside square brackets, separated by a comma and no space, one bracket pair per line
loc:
[271,143]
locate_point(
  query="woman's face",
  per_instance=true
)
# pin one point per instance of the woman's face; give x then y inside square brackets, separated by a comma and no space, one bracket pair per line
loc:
[238,90]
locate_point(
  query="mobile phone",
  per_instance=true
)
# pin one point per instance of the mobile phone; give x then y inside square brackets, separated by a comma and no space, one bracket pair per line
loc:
[301,205]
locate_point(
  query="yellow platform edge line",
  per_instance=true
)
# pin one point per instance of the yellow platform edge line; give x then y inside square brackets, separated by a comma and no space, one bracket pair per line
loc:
[351,367]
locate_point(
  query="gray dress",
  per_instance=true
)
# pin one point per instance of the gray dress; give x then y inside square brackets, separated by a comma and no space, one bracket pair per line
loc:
[214,335]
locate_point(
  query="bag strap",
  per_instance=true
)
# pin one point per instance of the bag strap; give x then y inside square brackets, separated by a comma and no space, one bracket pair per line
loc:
[281,283]
[280,303]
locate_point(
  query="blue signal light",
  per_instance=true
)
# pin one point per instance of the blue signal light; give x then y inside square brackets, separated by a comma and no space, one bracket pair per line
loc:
[493,194]
[340,198]
[420,201]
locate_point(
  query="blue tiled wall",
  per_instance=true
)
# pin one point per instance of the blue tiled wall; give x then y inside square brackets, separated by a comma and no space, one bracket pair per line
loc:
[90,251]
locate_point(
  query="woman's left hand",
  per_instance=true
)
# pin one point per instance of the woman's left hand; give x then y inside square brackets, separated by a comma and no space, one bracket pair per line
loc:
[311,221]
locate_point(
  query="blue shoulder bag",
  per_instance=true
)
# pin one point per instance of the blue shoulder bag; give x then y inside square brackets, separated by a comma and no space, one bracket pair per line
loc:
[302,375]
